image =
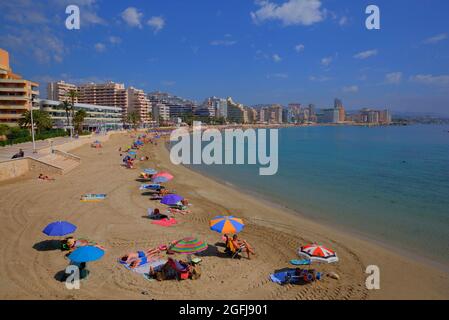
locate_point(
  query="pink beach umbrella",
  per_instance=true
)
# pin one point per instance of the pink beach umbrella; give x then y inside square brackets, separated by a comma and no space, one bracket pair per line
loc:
[163,174]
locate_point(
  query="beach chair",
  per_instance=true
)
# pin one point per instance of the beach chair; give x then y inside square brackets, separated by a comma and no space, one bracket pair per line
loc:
[234,252]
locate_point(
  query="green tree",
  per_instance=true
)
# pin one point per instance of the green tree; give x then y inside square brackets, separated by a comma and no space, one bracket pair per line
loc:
[41,119]
[78,120]
[134,119]
[65,105]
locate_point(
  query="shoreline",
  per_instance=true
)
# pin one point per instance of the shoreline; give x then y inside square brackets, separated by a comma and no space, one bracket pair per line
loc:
[340,228]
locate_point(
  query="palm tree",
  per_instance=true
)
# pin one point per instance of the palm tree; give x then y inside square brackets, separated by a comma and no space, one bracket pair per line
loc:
[67,108]
[134,118]
[72,95]
[79,119]
[41,119]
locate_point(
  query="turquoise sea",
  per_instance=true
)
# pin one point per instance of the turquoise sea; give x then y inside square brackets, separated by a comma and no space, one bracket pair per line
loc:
[388,183]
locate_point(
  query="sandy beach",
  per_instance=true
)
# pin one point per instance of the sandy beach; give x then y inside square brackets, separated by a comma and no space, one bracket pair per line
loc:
[29,270]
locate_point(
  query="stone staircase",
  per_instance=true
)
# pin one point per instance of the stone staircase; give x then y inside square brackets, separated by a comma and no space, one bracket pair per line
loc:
[65,161]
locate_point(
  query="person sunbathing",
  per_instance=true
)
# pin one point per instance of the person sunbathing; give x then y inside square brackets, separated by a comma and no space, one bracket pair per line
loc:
[156,214]
[44,177]
[135,259]
[242,245]
[71,244]
[176,210]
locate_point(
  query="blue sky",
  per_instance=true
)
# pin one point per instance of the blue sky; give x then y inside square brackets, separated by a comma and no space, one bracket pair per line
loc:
[263,51]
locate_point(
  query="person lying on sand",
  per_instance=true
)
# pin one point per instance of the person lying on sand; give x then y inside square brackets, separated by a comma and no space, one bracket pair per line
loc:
[44,177]
[179,211]
[71,244]
[172,269]
[156,215]
[135,259]
[243,245]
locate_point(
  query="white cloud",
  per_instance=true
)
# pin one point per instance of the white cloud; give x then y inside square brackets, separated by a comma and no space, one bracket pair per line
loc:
[366,54]
[343,21]
[157,23]
[225,43]
[430,79]
[100,47]
[132,17]
[292,12]
[435,39]
[299,47]
[326,61]
[46,48]
[276,58]
[351,89]
[115,40]
[393,78]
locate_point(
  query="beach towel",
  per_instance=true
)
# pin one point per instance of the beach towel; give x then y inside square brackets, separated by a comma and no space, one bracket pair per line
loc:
[93,197]
[165,222]
[304,262]
[145,268]
[283,277]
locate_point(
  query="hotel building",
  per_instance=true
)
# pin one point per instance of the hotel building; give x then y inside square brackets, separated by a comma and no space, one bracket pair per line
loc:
[16,94]
[139,103]
[97,116]
[58,91]
[104,94]
[236,112]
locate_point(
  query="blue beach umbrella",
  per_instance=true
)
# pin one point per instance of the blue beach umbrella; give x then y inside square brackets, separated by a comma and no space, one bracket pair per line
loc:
[160,179]
[59,228]
[171,199]
[86,254]
[150,186]
[150,171]
[226,224]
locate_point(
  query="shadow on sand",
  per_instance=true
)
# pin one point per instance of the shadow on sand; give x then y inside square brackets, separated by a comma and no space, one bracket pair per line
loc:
[48,245]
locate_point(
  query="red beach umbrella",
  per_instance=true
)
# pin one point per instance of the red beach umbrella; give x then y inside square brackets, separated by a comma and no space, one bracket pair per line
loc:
[315,252]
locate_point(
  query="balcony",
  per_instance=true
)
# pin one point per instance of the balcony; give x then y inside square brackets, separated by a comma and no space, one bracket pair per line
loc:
[13,98]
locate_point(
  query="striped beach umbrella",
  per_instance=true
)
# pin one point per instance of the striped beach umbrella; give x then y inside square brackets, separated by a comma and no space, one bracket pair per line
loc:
[189,245]
[226,224]
[315,252]
[164,174]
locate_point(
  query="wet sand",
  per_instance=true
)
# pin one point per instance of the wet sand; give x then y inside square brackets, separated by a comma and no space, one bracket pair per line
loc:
[30,269]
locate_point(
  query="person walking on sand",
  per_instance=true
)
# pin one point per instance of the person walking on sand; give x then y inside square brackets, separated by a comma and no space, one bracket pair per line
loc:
[242,245]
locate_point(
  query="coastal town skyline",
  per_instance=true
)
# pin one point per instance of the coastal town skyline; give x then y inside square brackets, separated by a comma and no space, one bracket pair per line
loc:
[272,57]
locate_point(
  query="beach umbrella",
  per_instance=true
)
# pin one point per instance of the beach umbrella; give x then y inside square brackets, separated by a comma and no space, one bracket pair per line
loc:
[226,224]
[86,254]
[59,228]
[189,245]
[150,171]
[315,252]
[163,174]
[159,180]
[171,199]
[150,186]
